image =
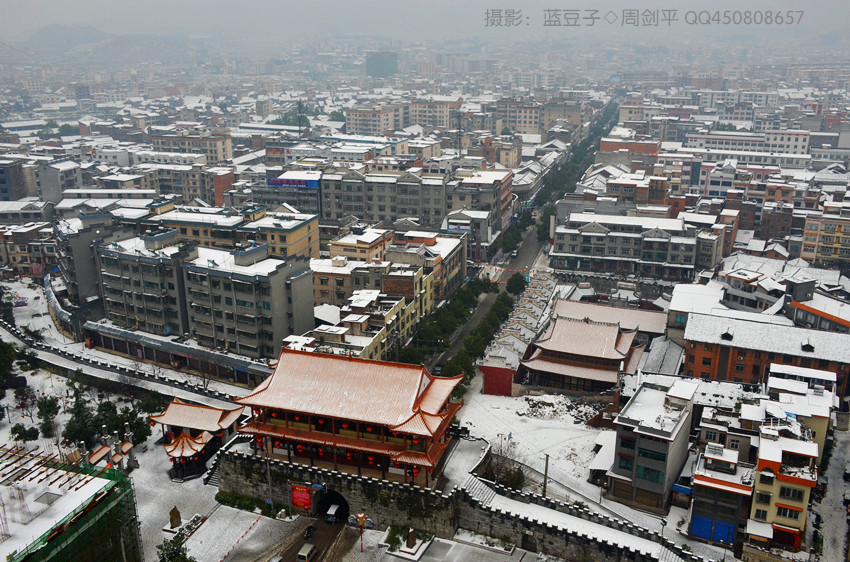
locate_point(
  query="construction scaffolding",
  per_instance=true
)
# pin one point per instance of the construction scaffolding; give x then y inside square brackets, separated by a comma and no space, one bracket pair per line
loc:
[89,512]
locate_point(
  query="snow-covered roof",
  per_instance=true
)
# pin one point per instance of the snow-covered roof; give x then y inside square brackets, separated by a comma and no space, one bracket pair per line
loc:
[767,337]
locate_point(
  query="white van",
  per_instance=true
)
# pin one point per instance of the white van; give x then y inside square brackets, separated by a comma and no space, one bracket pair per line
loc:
[307,553]
[332,513]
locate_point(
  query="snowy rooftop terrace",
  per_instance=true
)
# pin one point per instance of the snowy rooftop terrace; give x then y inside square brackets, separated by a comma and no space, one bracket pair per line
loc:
[37,498]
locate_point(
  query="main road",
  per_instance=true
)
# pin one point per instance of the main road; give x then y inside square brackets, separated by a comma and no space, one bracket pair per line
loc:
[527,253]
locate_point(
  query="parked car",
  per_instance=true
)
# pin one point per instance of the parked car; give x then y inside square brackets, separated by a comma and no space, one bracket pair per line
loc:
[307,553]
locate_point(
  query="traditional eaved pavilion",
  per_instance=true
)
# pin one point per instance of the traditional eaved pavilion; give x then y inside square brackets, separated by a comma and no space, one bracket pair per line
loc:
[192,433]
[374,418]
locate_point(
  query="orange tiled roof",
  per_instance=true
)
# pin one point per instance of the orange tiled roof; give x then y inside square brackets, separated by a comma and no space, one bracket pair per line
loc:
[379,392]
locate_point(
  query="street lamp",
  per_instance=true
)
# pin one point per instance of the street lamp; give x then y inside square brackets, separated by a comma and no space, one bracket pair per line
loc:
[361,520]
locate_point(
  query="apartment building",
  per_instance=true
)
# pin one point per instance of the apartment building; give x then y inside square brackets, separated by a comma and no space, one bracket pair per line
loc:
[29,209]
[385,196]
[216,146]
[786,474]
[656,247]
[377,119]
[826,235]
[55,177]
[27,249]
[445,256]
[12,185]
[246,302]
[652,445]
[364,244]
[782,141]
[741,350]
[481,229]
[142,285]
[435,111]
[298,188]
[483,190]
[76,241]
[721,490]
[287,234]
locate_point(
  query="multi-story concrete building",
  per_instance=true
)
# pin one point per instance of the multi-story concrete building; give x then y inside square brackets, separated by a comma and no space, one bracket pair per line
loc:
[385,196]
[246,302]
[826,236]
[652,445]
[483,189]
[786,474]
[364,244]
[142,284]
[377,119]
[658,247]
[29,209]
[443,255]
[12,185]
[27,249]
[55,177]
[217,146]
[287,234]
[76,240]
[434,111]
[298,188]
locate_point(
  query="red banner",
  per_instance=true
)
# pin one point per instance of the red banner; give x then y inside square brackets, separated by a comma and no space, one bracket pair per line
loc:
[301,496]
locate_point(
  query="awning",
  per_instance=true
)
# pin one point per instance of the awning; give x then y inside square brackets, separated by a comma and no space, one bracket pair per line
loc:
[759,529]
[681,489]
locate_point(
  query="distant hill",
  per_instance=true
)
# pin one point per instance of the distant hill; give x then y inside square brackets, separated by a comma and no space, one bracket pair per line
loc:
[55,40]
[82,45]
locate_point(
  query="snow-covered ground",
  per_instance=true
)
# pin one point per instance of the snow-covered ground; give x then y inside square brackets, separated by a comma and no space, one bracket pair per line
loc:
[535,426]
[234,535]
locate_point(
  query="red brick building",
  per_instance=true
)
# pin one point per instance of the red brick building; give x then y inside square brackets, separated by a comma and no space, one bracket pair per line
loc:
[729,349]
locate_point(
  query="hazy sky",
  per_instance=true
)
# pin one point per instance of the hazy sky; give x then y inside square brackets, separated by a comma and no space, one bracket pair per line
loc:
[400,19]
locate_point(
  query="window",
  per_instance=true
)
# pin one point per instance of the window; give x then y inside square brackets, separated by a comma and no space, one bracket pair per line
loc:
[766,478]
[681,317]
[791,494]
[652,455]
[787,513]
[734,444]
[626,463]
[706,361]
[627,444]
[710,435]
[761,514]
[762,498]
[650,474]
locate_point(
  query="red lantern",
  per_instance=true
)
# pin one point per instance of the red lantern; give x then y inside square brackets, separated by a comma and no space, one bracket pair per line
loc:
[300,448]
[416,441]
[369,428]
[321,453]
[221,434]
[297,418]
[170,459]
[274,414]
[320,422]
[371,459]
[153,424]
[415,471]
[182,461]
[345,425]
[348,455]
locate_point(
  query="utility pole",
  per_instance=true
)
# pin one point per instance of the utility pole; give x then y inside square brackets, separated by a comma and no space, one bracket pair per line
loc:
[545,474]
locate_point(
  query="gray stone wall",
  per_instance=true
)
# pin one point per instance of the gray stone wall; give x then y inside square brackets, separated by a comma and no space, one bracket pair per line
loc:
[388,503]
